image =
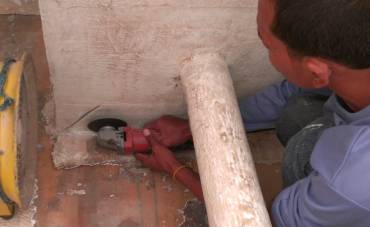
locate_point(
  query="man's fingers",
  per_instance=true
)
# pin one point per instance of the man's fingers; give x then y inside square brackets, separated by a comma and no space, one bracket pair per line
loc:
[157,147]
[152,139]
[141,157]
[146,132]
[147,160]
[166,142]
[152,132]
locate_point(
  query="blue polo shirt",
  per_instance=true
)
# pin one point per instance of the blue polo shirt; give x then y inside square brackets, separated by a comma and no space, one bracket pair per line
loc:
[337,192]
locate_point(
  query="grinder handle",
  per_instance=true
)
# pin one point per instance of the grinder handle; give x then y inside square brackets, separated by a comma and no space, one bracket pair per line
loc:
[134,141]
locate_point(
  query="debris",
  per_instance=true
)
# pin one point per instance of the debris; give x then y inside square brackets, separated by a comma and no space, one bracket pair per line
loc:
[180,211]
[194,214]
[164,178]
[73,192]
[133,174]
[164,223]
[167,187]
[11,18]
[40,147]
[149,184]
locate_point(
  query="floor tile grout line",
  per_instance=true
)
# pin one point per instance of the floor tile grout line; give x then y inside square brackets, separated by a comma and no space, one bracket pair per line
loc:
[155,197]
[140,203]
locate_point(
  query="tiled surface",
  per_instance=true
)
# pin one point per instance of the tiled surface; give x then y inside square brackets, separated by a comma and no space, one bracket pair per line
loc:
[106,196]
[111,196]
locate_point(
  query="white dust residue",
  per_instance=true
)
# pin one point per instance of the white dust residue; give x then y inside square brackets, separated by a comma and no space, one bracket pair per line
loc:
[73,192]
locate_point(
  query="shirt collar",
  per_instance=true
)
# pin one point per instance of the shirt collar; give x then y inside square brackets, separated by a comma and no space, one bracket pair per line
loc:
[343,116]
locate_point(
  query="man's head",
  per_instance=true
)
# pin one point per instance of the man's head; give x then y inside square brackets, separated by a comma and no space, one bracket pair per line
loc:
[307,38]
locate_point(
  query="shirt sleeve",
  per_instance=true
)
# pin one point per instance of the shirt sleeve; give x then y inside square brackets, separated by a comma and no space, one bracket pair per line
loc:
[311,202]
[336,193]
[261,110]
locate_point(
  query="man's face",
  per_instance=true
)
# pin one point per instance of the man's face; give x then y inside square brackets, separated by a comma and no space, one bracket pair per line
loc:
[291,67]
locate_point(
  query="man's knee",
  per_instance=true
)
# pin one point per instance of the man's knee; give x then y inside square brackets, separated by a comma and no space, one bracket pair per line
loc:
[297,154]
[299,111]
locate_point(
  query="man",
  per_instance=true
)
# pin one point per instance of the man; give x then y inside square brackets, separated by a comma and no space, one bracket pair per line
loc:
[316,44]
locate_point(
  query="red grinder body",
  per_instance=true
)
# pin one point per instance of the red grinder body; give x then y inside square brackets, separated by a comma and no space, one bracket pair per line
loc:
[134,141]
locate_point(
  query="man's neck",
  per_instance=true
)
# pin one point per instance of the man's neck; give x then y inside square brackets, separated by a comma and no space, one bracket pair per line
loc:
[352,86]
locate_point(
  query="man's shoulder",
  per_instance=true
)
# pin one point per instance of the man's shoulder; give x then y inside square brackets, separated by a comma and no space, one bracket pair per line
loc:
[342,157]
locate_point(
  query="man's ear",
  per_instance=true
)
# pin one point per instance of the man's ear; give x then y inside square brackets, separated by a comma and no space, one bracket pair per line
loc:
[319,69]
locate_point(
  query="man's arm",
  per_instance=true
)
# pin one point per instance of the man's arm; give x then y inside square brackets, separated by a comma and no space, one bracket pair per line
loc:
[162,159]
[191,181]
[260,111]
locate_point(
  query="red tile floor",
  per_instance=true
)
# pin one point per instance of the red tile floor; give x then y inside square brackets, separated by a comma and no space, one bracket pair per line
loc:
[108,196]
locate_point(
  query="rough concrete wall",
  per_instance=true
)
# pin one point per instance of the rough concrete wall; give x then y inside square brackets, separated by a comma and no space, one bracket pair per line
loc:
[27,7]
[123,57]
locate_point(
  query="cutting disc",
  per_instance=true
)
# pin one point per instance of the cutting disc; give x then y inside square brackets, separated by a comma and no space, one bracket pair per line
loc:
[99,123]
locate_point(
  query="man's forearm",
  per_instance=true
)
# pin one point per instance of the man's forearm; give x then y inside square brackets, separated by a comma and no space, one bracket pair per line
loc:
[190,180]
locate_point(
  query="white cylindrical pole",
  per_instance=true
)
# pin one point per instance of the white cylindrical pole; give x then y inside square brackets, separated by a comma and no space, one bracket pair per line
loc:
[230,186]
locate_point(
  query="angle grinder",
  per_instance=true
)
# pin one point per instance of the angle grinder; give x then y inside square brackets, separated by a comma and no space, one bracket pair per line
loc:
[114,134]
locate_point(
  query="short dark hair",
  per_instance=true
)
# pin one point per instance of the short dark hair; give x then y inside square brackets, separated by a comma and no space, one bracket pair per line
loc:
[337,30]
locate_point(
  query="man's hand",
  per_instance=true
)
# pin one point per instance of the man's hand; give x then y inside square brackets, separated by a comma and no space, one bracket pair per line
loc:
[161,158]
[169,130]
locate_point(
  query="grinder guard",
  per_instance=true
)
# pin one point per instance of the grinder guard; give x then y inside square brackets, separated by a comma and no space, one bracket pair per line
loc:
[112,134]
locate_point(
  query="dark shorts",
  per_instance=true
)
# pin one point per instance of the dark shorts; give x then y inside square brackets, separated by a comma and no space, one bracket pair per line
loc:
[298,129]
